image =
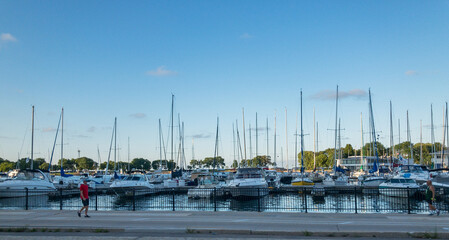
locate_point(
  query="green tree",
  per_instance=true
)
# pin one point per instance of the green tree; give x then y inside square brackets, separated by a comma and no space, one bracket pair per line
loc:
[308,160]
[171,165]
[348,151]
[260,161]
[44,166]
[235,164]
[84,163]
[6,166]
[141,163]
[209,162]
[110,167]
[195,163]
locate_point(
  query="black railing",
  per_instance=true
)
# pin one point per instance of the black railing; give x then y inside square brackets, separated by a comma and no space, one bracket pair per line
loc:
[287,199]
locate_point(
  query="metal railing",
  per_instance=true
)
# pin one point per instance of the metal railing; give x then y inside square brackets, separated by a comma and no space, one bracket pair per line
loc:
[286,199]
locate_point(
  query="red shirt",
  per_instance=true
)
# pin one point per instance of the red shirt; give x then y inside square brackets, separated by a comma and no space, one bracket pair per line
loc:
[84,189]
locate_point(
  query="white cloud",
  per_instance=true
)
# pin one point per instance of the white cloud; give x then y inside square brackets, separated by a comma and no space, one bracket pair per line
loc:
[138,115]
[411,73]
[246,36]
[161,72]
[49,129]
[331,94]
[202,135]
[7,37]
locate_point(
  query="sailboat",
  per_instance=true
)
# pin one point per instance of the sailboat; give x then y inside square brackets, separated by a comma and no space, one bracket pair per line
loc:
[63,181]
[374,179]
[208,184]
[302,180]
[33,180]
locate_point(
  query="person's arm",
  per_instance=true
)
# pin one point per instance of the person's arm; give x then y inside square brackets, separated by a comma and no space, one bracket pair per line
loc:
[82,195]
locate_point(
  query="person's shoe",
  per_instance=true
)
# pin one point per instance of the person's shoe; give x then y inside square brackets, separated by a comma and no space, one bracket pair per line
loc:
[87,216]
[438,212]
[431,214]
[79,214]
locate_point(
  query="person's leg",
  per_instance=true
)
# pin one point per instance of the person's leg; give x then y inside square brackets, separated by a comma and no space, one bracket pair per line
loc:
[87,208]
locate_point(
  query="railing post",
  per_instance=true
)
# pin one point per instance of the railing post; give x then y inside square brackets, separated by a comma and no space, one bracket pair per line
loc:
[258,199]
[215,199]
[134,199]
[60,199]
[96,199]
[173,194]
[355,198]
[408,200]
[304,195]
[26,198]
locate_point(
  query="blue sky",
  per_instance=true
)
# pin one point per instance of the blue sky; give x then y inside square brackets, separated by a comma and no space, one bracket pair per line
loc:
[101,60]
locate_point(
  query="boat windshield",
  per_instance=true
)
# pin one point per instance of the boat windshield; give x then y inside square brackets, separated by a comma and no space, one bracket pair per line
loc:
[30,176]
[133,178]
[395,181]
[407,180]
[252,175]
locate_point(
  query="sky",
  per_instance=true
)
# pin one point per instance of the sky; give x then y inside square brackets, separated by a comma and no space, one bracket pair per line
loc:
[220,59]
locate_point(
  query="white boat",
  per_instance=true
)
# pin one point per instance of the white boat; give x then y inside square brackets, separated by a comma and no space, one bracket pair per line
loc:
[398,187]
[417,172]
[207,188]
[135,184]
[248,182]
[339,181]
[273,178]
[66,182]
[35,181]
[373,181]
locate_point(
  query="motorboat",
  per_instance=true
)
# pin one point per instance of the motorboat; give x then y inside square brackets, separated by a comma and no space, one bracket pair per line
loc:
[417,172]
[302,180]
[135,184]
[273,178]
[207,187]
[36,181]
[399,187]
[373,181]
[248,182]
[61,182]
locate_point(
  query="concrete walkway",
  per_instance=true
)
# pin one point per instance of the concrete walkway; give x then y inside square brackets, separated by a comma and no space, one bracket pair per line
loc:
[227,223]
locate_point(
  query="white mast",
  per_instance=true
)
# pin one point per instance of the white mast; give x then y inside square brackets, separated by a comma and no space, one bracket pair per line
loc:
[286,138]
[257,136]
[432,136]
[314,140]
[420,141]
[296,143]
[275,138]
[32,136]
[361,138]
[244,135]
[335,142]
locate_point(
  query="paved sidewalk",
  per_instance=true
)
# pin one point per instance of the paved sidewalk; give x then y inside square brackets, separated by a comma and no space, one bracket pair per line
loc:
[227,223]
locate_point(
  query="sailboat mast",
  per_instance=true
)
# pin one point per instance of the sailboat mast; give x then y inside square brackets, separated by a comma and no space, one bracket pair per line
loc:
[99,159]
[314,140]
[444,139]
[244,135]
[32,136]
[286,137]
[250,143]
[62,135]
[432,136]
[110,147]
[420,142]
[409,138]
[391,135]
[335,142]
[257,136]
[296,143]
[373,128]
[115,143]
[216,147]
[160,144]
[275,138]
[267,140]
[128,155]
[361,138]
[233,140]
[447,128]
[171,127]
[302,142]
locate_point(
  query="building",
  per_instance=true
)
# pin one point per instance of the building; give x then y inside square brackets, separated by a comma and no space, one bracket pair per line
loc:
[354,163]
[437,156]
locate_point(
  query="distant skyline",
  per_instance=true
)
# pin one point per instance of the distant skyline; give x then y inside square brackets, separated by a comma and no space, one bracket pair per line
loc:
[101,60]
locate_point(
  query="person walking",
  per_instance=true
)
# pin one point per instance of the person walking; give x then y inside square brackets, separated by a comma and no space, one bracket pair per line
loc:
[84,194]
[430,198]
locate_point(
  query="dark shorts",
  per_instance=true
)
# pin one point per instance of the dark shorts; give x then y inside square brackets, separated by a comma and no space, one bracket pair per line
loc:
[85,202]
[429,201]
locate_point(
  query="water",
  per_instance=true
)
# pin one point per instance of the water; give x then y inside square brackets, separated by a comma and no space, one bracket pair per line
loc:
[274,202]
